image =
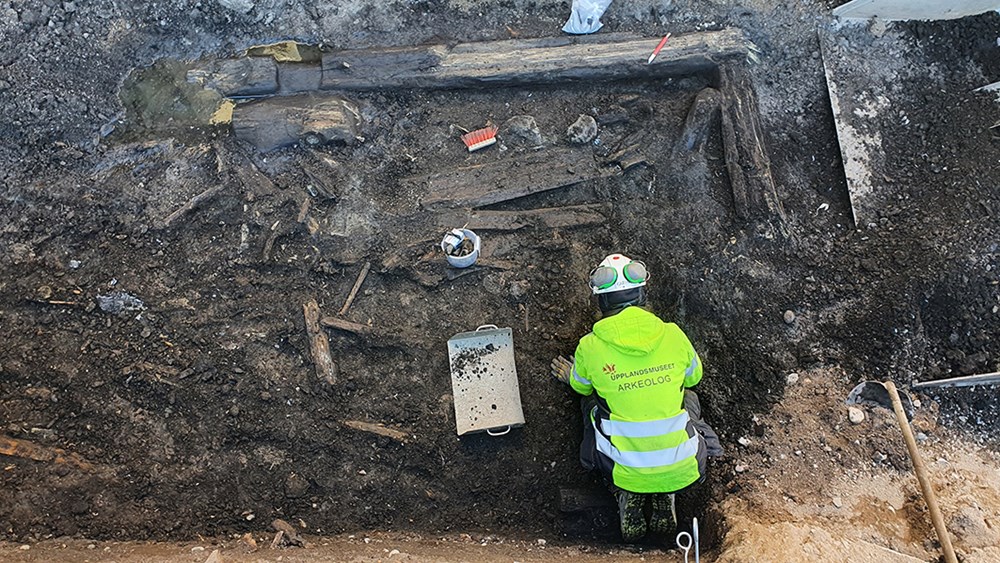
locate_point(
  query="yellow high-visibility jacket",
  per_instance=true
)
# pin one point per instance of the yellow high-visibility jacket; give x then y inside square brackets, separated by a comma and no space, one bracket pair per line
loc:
[640,366]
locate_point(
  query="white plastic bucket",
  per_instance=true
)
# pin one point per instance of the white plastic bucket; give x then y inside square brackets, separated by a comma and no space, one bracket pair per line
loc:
[455,237]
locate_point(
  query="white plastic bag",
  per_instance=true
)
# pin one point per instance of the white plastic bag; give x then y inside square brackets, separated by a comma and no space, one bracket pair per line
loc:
[586,16]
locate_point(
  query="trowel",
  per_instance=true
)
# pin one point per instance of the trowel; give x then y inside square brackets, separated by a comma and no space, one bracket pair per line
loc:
[885,395]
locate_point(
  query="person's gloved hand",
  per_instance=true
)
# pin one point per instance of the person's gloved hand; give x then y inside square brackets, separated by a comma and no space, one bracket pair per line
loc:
[562,368]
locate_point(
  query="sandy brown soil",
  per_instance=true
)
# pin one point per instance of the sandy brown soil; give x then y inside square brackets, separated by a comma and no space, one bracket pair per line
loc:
[200,410]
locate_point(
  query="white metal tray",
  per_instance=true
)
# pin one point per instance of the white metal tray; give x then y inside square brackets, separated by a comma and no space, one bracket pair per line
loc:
[484,381]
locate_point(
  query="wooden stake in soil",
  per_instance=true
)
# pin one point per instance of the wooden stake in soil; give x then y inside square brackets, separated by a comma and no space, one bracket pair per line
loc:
[326,369]
[354,290]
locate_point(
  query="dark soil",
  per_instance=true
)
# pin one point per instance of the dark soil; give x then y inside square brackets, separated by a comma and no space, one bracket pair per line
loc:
[202,410]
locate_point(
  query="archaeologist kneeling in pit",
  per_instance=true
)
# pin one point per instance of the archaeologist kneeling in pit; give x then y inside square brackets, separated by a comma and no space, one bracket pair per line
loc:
[642,426]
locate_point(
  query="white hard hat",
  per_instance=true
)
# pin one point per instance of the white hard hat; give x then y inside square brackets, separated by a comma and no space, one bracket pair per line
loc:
[618,273]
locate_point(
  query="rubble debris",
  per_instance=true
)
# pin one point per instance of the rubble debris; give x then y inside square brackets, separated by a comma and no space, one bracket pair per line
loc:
[287,534]
[379,429]
[118,302]
[354,290]
[326,369]
[15,447]
[522,130]
[583,130]
[308,119]
[241,6]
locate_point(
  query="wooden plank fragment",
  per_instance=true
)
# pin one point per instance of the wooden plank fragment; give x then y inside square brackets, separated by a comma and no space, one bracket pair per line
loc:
[347,326]
[248,76]
[354,290]
[529,61]
[15,447]
[326,369]
[479,185]
[747,161]
[549,217]
[273,123]
[379,429]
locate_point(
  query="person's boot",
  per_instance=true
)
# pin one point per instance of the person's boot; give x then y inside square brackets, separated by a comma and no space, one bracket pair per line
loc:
[663,520]
[633,521]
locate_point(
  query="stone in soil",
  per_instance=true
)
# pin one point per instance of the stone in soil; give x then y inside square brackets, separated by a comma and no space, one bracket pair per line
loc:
[855,415]
[583,130]
[523,130]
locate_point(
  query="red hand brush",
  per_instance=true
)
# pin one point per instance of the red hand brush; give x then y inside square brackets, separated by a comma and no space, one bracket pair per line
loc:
[480,138]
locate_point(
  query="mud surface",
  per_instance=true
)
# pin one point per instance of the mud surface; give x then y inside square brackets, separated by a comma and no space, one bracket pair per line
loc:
[197,400]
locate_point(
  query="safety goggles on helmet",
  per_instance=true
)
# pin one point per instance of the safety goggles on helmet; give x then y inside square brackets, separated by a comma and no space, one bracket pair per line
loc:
[618,273]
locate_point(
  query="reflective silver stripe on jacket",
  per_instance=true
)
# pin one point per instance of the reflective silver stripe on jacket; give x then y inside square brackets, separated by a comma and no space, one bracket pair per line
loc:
[654,458]
[579,378]
[690,370]
[645,429]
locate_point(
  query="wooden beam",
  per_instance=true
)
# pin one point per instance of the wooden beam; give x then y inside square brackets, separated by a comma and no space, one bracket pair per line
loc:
[549,217]
[15,447]
[529,61]
[326,369]
[478,185]
[747,160]
[313,120]
[248,76]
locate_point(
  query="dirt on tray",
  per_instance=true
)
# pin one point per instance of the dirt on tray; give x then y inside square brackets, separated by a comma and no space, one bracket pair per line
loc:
[154,276]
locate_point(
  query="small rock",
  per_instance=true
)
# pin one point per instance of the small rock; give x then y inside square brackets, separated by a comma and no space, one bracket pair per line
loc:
[91,546]
[744,441]
[197,548]
[789,317]
[583,130]
[119,302]
[837,502]
[296,485]
[921,437]
[394,552]
[541,541]
[855,415]
[43,292]
[792,378]
[25,547]
[242,6]
[879,457]
[145,332]
[75,264]
[215,557]
[741,468]
[878,27]
[522,129]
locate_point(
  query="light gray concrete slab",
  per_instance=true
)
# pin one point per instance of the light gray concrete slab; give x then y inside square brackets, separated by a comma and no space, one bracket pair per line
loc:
[915,9]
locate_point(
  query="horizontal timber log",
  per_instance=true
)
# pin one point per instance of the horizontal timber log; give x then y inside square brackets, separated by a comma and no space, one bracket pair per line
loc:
[529,61]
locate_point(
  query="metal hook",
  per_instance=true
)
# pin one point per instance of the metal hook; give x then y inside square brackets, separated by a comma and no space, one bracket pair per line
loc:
[684,542]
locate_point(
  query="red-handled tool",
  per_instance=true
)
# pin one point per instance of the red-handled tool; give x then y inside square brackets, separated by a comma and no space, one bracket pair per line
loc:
[658,48]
